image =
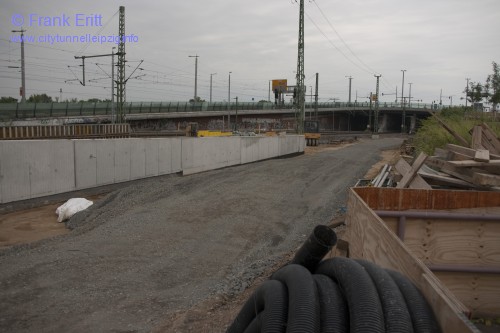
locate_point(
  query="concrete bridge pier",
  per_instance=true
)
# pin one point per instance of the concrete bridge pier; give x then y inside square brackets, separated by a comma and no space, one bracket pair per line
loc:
[382,127]
[413,123]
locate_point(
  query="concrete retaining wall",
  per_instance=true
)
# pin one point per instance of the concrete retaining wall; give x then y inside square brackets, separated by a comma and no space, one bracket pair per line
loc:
[31,169]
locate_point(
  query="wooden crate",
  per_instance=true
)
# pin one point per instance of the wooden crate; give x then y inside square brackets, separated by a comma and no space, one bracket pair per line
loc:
[437,243]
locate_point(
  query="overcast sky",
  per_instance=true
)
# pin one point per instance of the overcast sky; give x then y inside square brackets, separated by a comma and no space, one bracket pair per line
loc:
[440,43]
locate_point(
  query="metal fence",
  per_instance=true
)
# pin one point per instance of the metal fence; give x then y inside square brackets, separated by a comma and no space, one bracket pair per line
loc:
[11,111]
[65,131]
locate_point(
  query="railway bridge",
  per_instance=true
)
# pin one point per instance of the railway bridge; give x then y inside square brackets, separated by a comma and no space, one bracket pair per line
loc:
[336,116]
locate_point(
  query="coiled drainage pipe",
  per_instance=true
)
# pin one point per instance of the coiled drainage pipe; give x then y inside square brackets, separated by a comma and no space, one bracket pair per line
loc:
[334,295]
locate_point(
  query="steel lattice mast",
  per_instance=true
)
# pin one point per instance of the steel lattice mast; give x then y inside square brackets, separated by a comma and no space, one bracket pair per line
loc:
[120,82]
[300,74]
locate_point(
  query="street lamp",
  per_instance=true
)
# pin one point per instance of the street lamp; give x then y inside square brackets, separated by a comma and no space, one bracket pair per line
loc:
[350,81]
[211,86]
[195,77]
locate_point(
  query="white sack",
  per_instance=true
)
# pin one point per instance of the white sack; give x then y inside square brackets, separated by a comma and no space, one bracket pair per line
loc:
[71,207]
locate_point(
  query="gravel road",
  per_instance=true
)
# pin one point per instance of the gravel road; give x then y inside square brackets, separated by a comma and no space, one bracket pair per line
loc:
[160,246]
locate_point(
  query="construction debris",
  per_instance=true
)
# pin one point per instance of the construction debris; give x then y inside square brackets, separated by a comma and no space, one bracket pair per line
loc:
[453,167]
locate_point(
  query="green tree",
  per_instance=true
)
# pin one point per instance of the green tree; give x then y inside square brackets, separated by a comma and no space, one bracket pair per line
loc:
[8,100]
[198,100]
[493,86]
[476,92]
[40,98]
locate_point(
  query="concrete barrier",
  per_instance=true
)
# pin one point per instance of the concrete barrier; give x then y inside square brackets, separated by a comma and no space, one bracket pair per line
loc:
[35,168]
[202,154]
[31,169]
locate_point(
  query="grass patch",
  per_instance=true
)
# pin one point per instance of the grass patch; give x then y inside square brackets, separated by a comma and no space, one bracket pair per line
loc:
[431,134]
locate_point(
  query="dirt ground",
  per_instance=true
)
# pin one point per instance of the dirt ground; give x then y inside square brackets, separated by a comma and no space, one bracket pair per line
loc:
[27,226]
[103,276]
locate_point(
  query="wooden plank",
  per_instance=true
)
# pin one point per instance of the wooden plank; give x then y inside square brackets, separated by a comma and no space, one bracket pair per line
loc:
[482,155]
[369,238]
[485,179]
[445,180]
[454,242]
[442,153]
[477,134]
[457,137]
[479,292]
[409,176]
[433,287]
[477,164]
[418,182]
[468,151]
[491,139]
[449,168]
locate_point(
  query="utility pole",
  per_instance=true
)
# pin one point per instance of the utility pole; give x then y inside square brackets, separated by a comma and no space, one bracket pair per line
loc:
[300,73]
[236,118]
[316,98]
[409,96]
[375,125]
[113,116]
[441,97]
[403,88]
[23,68]
[466,92]
[120,93]
[195,77]
[350,82]
[211,86]
[229,103]
[370,113]
[269,92]
[403,118]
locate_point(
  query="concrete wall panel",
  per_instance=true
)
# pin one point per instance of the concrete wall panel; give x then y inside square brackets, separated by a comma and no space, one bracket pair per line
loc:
[41,170]
[151,149]
[52,168]
[201,154]
[137,158]
[1,175]
[105,150]
[176,154]
[233,152]
[16,165]
[250,149]
[122,160]
[85,163]
[36,168]
[164,156]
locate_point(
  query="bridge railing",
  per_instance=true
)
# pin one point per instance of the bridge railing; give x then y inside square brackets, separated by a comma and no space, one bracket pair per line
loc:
[12,111]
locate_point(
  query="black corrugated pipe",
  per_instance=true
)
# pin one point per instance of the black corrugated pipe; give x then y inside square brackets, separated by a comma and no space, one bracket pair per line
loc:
[266,310]
[421,313]
[365,309]
[397,318]
[319,243]
[303,302]
[333,307]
